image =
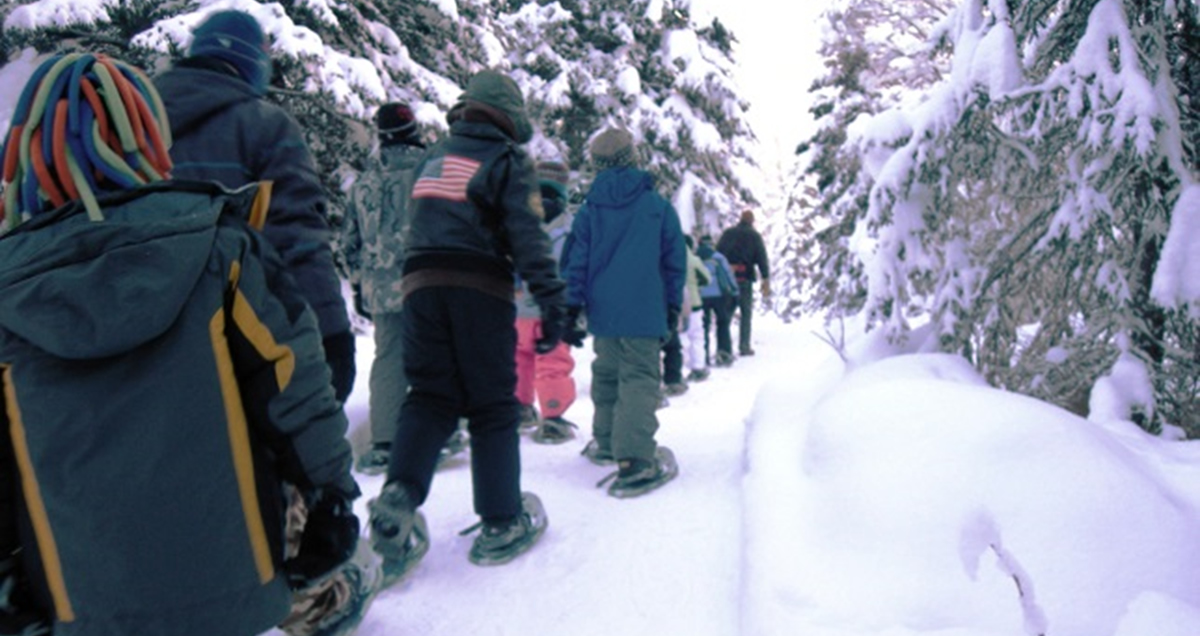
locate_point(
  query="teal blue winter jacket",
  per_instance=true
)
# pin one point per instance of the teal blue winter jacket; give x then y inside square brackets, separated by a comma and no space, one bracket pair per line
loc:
[161,375]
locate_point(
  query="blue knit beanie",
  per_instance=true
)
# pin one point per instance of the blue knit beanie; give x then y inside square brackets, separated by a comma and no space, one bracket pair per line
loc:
[237,38]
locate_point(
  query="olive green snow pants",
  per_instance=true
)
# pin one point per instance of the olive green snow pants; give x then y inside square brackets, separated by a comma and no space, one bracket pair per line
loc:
[625,390]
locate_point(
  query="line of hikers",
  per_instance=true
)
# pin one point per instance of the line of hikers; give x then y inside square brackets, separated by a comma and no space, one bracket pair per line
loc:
[166,266]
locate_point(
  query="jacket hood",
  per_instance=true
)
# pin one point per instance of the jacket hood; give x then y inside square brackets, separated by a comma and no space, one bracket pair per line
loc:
[618,187]
[81,289]
[502,93]
[192,95]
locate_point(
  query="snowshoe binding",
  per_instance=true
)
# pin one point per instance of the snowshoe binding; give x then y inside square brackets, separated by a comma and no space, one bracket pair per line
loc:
[554,430]
[529,417]
[499,543]
[396,566]
[398,532]
[639,476]
[375,460]
[350,590]
[597,455]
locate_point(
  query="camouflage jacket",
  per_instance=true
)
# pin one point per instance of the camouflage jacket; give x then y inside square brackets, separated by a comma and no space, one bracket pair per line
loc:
[377,215]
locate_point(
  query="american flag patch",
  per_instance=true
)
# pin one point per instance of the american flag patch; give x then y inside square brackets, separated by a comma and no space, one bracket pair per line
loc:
[445,178]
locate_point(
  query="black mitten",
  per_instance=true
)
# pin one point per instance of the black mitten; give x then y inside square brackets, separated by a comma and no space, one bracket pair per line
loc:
[339,355]
[553,324]
[329,539]
[573,333]
[18,614]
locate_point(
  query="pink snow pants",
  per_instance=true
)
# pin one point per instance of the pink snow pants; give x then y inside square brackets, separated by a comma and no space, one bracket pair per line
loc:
[548,376]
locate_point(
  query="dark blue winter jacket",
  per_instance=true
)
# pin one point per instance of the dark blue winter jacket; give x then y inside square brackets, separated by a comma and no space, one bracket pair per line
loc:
[627,259]
[224,132]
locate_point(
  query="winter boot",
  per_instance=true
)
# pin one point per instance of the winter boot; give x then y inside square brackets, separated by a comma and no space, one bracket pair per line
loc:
[554,430]
[675,388]
[598,455]
[698,375]
[529,417]
[639,476]
[375,460]
[502,541]
[724,359]
[398,532]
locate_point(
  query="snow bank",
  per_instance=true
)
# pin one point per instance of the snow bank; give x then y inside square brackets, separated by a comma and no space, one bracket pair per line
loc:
[914,489]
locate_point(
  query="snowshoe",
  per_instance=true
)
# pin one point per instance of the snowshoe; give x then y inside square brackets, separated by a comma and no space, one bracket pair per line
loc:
[554,430]
[375,460]
[392,521]
[499,543]
[395,567]
[675,388]
[637,477]
[698,375]
[596,455]
[529,417]
[360,580]
[724,359]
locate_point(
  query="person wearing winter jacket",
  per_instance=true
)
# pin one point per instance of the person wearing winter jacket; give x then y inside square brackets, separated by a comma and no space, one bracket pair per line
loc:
[743,246]
[625,268]
[692,332]
[475,223]
[224,130]
[719,296]
[546,376]
[163,379]
[372,250]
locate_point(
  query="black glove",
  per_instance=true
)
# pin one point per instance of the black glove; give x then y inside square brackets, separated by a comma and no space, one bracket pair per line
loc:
[339,355]
[553,324]
[673,317]
[17,613]
[329,539]
[573,334]
[360,307]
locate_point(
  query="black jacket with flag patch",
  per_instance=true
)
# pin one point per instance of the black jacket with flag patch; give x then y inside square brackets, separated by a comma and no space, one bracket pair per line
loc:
[476,217]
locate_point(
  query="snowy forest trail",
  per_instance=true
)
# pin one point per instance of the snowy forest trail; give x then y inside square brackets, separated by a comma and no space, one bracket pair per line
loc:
[669,562]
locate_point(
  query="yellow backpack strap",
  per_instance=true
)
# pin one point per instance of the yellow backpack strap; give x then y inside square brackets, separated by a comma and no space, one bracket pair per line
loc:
[262,202]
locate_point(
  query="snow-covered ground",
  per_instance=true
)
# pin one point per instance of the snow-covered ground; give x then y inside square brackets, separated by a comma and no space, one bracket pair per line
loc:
[896,498]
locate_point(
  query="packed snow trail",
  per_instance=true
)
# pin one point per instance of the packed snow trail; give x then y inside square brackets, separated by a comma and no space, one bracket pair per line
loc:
[669,562]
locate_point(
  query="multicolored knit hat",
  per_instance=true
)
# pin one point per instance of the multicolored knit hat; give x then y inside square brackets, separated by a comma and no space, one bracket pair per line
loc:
[553,175]
[84,124]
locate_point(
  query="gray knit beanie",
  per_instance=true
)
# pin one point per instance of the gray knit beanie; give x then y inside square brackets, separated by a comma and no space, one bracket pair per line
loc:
[613,147]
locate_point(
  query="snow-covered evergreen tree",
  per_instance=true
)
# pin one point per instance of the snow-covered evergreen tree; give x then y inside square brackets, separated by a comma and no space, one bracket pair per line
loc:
[583,64]
[644,65]
[1022,204]
[877,55]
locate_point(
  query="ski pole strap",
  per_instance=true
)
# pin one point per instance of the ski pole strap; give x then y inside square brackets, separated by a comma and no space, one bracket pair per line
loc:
[261,204]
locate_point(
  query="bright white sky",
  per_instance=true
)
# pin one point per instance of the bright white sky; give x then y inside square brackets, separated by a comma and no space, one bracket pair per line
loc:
[777,61]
